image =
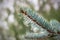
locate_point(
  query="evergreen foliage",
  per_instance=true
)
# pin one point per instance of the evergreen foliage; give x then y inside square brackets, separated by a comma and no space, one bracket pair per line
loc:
[40,20]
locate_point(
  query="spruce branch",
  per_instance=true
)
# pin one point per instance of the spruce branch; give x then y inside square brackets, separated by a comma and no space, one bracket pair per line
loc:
[39,20]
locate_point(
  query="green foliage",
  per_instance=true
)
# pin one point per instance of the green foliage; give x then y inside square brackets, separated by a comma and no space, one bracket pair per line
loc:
[37,35]
[20,20]
[40,19]
[55,24]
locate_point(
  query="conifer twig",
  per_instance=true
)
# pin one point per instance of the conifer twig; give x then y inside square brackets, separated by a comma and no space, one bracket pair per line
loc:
[22,11]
